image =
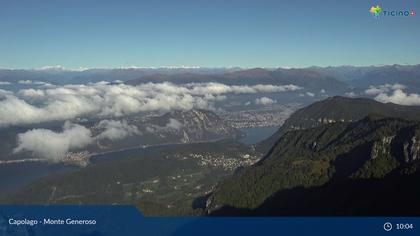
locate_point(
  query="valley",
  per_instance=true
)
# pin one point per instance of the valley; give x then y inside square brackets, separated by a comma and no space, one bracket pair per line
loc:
[214,142]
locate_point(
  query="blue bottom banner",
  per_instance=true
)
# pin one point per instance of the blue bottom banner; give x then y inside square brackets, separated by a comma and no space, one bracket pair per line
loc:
[126,220]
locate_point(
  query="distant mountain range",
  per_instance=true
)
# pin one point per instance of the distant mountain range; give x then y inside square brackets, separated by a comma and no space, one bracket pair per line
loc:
[349,73]
[63,76]
[301,77]
[328,78]
[363,77]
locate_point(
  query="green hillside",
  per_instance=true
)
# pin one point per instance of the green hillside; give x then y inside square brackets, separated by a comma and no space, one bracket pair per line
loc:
[167,181]
[373,148]
[339,109]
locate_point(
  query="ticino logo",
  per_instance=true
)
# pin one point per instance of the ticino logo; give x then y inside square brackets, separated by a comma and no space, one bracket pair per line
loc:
[377,11]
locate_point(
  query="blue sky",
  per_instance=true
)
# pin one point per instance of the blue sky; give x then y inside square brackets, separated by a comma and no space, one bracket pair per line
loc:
[210,33]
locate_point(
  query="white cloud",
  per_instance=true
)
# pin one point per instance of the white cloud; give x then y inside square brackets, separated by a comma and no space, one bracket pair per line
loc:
[54,145]
[218,88]
[55,67]
[25,82]
[393,93]
[32,82]
[116,130]
[105,100]
[264,101]
[32,93]
[350,94]
[5,93]
[60,68]
[399,97]
[174,124]
[374,90]
[4,83]
[310,94]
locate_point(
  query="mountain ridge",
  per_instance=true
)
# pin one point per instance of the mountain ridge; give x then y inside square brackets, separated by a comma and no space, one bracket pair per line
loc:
[371,149]
[339,109]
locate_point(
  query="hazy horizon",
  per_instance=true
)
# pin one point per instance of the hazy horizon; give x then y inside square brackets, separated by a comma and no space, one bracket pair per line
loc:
[192,67]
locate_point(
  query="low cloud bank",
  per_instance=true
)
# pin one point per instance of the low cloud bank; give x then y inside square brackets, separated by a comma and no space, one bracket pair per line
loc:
[375,90]
[105,100]
[399,97]
[53,145]
[394,93]
[116,130]
[264,101]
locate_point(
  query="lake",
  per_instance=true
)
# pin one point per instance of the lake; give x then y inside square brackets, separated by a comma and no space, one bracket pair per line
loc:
[255,135]
[14,176]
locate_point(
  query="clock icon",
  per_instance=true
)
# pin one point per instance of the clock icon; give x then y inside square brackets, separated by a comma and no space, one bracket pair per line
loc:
[387,226]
